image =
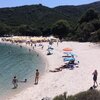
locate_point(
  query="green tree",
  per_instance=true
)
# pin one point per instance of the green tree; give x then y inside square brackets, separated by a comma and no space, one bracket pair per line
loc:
[46,31]
[61,29]
[27,30]
[88,16]
[4,29]
[88,24]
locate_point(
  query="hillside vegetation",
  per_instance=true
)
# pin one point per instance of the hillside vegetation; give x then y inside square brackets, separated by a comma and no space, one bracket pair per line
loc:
[81,23]
[87,95]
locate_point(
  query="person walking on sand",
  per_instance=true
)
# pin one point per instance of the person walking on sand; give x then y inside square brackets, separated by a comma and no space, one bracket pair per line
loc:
[36,76]
[95,74]
[15,82]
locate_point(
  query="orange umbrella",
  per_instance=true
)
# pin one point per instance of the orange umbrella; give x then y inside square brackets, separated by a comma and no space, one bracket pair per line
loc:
[67,49]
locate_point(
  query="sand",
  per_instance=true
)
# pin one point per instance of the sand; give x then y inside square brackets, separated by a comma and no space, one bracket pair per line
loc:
[70,81]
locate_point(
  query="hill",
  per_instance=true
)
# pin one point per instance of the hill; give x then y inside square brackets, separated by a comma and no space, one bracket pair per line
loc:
[41,20]
[75,12]
[36,15]
[40,15]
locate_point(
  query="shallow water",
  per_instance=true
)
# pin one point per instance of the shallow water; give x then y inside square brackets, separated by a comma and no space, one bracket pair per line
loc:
[20,62]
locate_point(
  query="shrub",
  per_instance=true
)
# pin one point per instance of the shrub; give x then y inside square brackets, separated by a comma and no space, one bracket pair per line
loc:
[87,95]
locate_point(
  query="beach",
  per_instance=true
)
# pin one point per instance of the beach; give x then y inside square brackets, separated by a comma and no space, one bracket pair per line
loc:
[73,81]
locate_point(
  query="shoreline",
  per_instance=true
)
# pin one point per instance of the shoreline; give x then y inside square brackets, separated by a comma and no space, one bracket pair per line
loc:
[70,81]
[32,81]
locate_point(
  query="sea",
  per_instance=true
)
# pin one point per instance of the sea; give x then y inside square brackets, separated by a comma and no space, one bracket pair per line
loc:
[20,62]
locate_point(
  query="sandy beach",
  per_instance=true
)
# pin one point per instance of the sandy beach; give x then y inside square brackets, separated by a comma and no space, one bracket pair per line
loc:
[70,81]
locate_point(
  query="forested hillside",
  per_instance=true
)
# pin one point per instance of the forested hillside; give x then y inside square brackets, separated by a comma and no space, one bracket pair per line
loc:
[61,21]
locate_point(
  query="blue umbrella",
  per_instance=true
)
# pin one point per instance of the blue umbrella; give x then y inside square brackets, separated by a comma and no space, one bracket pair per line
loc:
[73,54]
[69,59]
[70,54]
[49,49]
[66,52]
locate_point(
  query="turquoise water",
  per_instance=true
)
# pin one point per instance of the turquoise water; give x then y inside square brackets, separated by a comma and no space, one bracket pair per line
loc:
[20,62]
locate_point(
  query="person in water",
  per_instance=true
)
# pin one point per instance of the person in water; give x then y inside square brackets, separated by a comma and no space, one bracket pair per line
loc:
[95,74]
[15,82]
[36,76]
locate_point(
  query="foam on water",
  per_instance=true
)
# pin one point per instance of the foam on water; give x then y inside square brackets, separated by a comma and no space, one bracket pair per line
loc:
[20,62]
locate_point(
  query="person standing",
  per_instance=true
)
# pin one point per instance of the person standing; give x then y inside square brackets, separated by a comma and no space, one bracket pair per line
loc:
[36,76]
[57,42]
[95,74]
[15,82]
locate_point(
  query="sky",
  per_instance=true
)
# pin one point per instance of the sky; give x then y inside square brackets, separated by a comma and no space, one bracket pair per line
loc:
[48,3]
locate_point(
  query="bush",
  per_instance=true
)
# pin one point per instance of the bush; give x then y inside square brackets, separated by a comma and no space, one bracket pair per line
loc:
[87,95]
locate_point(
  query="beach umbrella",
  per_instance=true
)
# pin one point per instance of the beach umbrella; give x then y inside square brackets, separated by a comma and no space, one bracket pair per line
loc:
[50,47]
[73,54]
[69,59]
[49,51]
[67,49]
[67,53]
[70,54]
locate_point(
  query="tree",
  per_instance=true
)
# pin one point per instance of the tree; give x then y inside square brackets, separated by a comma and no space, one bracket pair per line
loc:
[61,28]
[4,29]
[88,16]
[88,23]
[27,30]
[46,32]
